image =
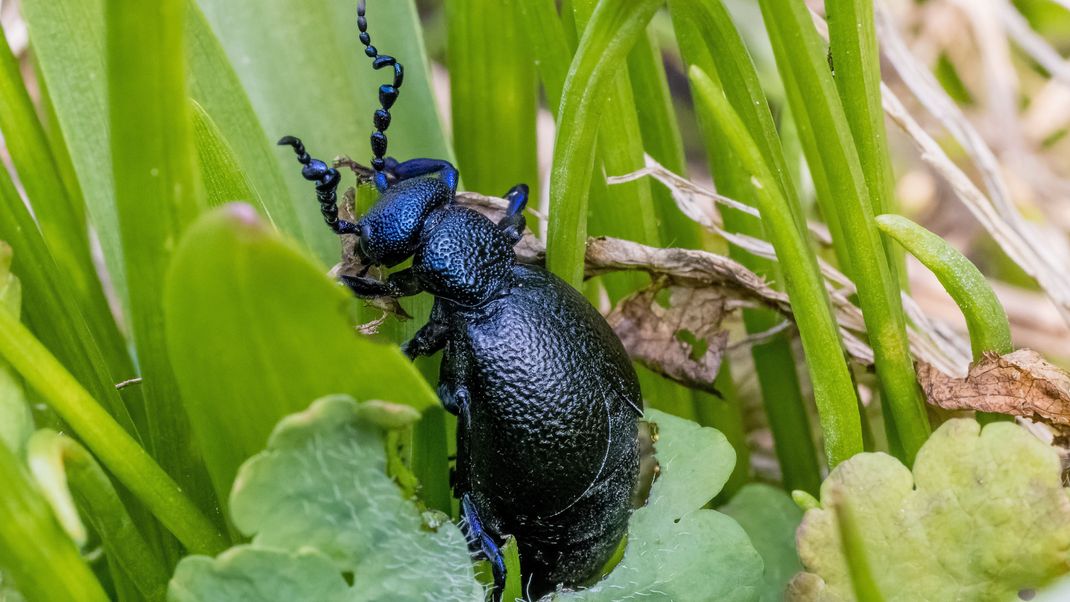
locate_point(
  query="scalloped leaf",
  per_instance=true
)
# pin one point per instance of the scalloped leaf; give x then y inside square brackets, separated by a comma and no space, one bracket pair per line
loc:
[322,485]
[983,516]
[676,549]
[770,518]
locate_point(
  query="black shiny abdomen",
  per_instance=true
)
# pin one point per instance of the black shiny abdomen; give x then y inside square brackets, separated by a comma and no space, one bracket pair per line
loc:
[549,444]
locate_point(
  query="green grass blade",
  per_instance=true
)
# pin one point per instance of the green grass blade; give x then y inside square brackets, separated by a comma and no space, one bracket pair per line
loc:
[157,194]
[49,311]
[802,62]
[68,40]
[492,96]
[627,210]
[661,138]
[614,27]
[306,74]
[833,390]
[774,361]
[549,46]
[217,90]
[59,213]
[223,179]
[35,552]
[856,59]
[100,504]
[298,341]
[117,451]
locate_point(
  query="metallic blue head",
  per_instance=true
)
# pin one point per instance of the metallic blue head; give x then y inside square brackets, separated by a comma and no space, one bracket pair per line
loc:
[390,231]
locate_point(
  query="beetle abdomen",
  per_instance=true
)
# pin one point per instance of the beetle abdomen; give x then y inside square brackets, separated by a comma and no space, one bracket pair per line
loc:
[552,452]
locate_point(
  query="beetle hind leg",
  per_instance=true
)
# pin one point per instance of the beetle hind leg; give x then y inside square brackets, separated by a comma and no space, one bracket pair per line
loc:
[482,543]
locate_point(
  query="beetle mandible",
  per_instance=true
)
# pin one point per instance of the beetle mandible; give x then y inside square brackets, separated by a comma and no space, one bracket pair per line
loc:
[546,399]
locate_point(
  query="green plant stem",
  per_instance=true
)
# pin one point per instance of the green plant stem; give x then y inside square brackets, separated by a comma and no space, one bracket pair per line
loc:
[614,27]
[108,441]
[100,504]
[856,59]
[854,551]
[801,61]
[986,320]
[774,362]
[833,390]
[34,550]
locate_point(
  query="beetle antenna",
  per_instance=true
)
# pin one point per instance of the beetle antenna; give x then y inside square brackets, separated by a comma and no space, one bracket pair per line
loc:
[388,93]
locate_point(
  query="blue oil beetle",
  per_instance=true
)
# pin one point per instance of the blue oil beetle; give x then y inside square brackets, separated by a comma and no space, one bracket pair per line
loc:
[546,399]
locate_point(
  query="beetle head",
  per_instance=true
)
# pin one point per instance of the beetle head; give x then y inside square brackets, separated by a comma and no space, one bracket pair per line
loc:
[390,231]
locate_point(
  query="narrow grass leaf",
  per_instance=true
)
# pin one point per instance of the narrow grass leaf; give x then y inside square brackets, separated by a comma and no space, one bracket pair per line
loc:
[857,68]
[802,62]
[56,457]
[223,179]
[613,29]
[58,211]
[157,194]
[833,389]
[217,90]
[49,311]
[493,96]
[725,53]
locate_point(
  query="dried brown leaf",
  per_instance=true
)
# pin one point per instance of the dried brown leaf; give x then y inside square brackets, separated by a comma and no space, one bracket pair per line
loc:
[1020,384]
[683,341]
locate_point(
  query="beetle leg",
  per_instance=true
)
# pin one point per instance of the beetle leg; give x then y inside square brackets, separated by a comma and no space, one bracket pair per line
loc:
[422,167]
[478,537]
[432,337]
[398,284]
[512,225]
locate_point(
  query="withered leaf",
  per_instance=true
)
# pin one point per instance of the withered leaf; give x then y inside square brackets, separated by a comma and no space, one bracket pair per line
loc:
[683,342]
[1020,384]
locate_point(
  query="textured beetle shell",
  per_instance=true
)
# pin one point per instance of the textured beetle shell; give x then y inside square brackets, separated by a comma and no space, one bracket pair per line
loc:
[548,447]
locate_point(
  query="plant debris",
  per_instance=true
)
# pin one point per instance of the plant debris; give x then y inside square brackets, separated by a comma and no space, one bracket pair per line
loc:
[683,341]
[1019,384]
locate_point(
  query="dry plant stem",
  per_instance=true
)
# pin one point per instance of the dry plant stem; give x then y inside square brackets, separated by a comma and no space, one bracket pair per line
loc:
[995,212]
[833,389]
[1011,239]
[116,449]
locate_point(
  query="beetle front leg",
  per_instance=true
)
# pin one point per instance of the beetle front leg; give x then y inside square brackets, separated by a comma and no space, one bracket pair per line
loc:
[398,284]
[453,377]
[432,337]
